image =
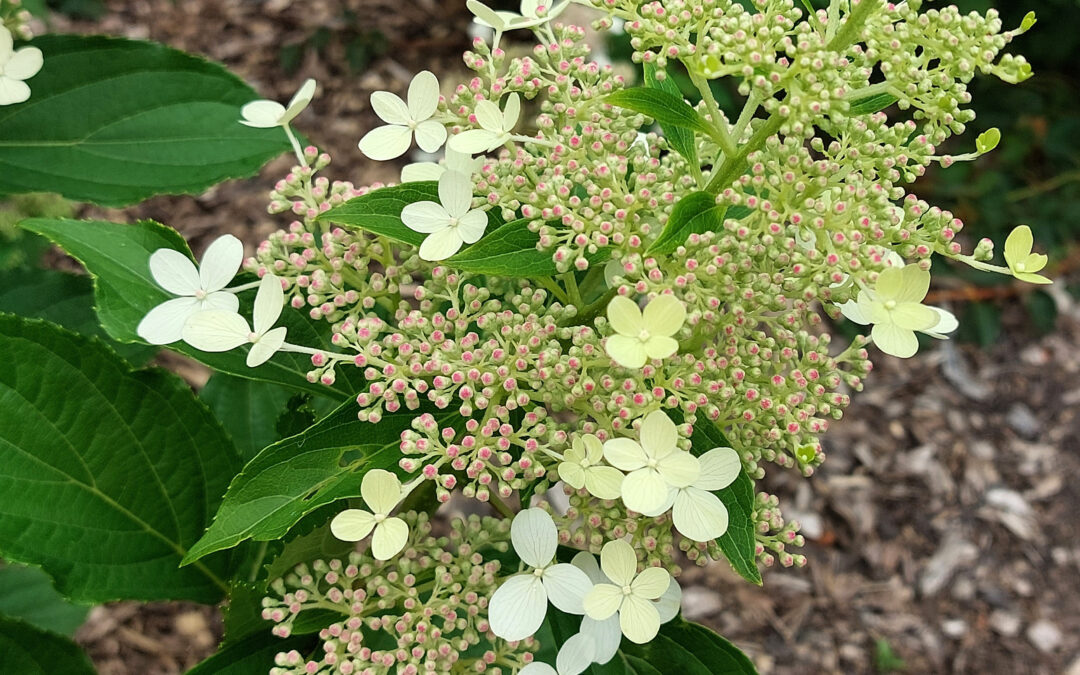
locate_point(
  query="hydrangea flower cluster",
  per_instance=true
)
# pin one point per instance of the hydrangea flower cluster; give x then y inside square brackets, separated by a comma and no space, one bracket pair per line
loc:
[569,299]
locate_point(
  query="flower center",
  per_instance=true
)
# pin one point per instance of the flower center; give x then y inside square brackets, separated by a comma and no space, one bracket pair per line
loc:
[1020,267]
[253,337]
[379,517]
[626,590]
[890,305]
[200,294]
[454,222]
[538,572]
[652,463]
[644,335]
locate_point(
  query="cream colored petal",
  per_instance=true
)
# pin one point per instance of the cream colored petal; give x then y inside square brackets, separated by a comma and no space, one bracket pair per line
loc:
[215,331]
[13,91]
[441,245]
[644,490]
[390,108]
[488,116]
[916,284]
[220,262]
[512,112]
[699,515]
[572,474]
[669,604]
[576,654]
[659,435]
[913,316]
[24,64]
[606,635]
[854,312]
[164,324]
[352,524]
[485,16]
[625,317]
[603,482]
[430,135]
[603,601]
[262,114]
[174,271]
[266,346]
[576,452]
[475,141]
[946,324]
[664,315]
[1035,262]
[1018,245]
[719,468]
[518,607]
[660,347]
[679,469]
[894,340]
[7,42]
[269,300]
[381,491]
[593,446]
[388,142]
[889,283]
[423,95]
[566,587]
[300,100]
[586,562]
[421,171]
[651,583]
[625,454]
[472,225]
[462,162]
[534,536]
[390,537]
[455,193]
[628,352]
[425,217]
[619,563]
[639,620]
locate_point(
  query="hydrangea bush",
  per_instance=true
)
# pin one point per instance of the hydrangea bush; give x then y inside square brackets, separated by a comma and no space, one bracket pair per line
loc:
[598,318]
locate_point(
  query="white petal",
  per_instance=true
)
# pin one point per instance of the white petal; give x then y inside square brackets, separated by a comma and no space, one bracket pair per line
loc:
[421,171]
[566,587]
[388,142]
[619,563]
[853,311]
[352,524]
[475,141]
[603,482]
[219,263]
[699,515]
[625,454]
[664,315]
[174,271]
[425,217]
[441,245]
[6,44]
[262,114]
[511,112]
[485,16]
[215,331]
[639,620]
[572,474]
[651,583]
[462,162]
[537,668]
[423,95]
[660,346]
[659,436]
[625,317]
[430,135]
[471,226]
[381,491]
[299,101]
[669,604]
[265,347]
[390,537]
[518,607]
[535,537]
[576,654]
[894,340]
[586,562]
[679,469]
[24,64]
[606,635]
[644,491]
[628,352]
[488,116]
[13,91]
[390,108]
[719,468]
[221,300]
[603,601]
[455,193]
[947,322]
[268,303]
[164,324]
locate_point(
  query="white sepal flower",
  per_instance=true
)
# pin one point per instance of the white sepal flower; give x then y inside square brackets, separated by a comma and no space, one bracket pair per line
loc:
[697,513]
[894,308]
[518,607]
[640,336]
[266,114]
[454,161]
[629,594]
[582,468]
[199,288]
[574,657]
[214,330]
[450,222]
[496,127]
[528,17]
[656,464]
[404,120]
[381,491]
[15,68]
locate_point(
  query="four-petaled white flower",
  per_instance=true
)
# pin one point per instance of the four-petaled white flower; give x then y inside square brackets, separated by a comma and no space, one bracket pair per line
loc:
[581,468]
[656,464]
[529,16]
[629,594]
[214,330]
[199,288]
[448,223]
[496,127]
[454,161]
[15,68]
[640,336]
[266,114]
[518,607]
[894,307]
[574,657]
[698,513]
[381,491]
[606,634]
[404,120]
[1021,261]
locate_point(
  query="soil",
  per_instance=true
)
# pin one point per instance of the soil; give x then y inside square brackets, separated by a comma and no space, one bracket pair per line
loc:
[942,535]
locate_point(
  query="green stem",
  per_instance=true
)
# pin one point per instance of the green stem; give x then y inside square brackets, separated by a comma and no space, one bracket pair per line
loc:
[721,134]
[556,290]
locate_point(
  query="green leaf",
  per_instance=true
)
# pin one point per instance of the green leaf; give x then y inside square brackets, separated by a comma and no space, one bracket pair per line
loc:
[118,257]
[682,140]
[508,251]
[27,594]
[295,476]
[871,104]
[26,650]
[64,299]
[254,655]
[379,211]
[114,121]
[107,476]
[697,213]
[249,410]
[739,542]
[668,109]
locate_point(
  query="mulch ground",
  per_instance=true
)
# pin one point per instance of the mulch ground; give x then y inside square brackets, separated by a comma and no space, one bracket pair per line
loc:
[942,535]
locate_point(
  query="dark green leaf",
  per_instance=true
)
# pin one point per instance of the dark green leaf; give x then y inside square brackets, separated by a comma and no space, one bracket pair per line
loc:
[666,108]
[27,594]
[871,104]
[114,121]
[254,655]
[508,251]
[248,409]
[682,140]
[107,476]
[695,213]
[118,256]
[379,211]
[740,541]
[26,650]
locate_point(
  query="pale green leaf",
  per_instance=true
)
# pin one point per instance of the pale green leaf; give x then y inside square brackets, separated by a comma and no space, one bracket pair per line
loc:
[667,108]
[27,594]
